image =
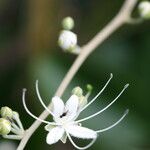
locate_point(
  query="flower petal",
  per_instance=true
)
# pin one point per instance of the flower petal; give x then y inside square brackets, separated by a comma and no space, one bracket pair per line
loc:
[64,138]
[54,135]
[81,132]
[72,107]
[58,106]
[49,127]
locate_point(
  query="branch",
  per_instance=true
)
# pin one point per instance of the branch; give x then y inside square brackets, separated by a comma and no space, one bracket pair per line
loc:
[121,18]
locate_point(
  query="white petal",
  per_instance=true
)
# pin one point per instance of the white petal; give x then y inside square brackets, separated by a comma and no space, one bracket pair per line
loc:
[72,107]
[58,106]
[54,135]
[81,132]
[64,138]
[49,127]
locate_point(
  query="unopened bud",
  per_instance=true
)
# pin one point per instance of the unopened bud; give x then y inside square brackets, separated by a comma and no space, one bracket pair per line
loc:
[6,112]
[144,9]
[89,87]
[15,115]
[68,23]
[67,40]
[77,91]
[5,126]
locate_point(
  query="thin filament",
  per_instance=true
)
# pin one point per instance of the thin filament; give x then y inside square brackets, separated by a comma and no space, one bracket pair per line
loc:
[76,146]
[113,125]
[40,99]
[91,116]
[111,76]
[27,110]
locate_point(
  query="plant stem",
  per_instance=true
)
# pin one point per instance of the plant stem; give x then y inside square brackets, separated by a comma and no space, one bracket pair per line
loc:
[121,18]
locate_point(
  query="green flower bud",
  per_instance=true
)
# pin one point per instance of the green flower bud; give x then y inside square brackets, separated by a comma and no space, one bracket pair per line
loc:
[89,87]
[82,101]
[6,112]
[68,23]
[77,91]
[144,9]
[5,126]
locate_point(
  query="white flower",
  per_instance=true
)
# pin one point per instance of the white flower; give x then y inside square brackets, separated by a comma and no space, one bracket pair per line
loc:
[65,116]
[67,40]
[144,9]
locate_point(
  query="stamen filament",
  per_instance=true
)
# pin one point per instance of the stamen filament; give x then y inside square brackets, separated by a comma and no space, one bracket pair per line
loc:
[111,76]
[91,116]
[33,116]
[116,123]
[76,146]
[40,99]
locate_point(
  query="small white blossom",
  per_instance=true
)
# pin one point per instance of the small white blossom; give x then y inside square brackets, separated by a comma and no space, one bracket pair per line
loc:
[65,124]
[144,9]
[67,40]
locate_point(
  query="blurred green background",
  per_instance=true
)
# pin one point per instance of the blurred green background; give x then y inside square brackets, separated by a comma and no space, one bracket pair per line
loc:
[28,51]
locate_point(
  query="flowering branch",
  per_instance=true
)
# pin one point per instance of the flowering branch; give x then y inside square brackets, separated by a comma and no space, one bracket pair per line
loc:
[120,19]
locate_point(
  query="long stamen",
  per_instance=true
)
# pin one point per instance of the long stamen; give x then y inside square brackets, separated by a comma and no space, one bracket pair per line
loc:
[76,146]
[27,110]
[40,99]
[111,76]
[91,116]
[116,123]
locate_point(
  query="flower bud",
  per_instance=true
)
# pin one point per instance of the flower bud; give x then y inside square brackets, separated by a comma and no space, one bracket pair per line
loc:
[77,91]
[5,126]
[89,87]
[144,9]
[67,40]
[6,112]
[15,115]
[68,23]
[82,101]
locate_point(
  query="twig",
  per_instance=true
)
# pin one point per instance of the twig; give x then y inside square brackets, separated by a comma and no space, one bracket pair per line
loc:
[121,18]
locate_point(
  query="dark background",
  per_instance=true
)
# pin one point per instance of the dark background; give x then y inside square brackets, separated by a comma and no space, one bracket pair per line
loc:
[29,51]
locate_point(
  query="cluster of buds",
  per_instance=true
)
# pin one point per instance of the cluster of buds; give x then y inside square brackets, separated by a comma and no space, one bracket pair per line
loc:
[83,99]
[67,39]
[144,9]
[10,123]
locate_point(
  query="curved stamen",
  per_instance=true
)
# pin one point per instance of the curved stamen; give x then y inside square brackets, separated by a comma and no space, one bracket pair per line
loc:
[40,99]
[91,116]
[27,110]
[76,146]
[111,76]
[116,123]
